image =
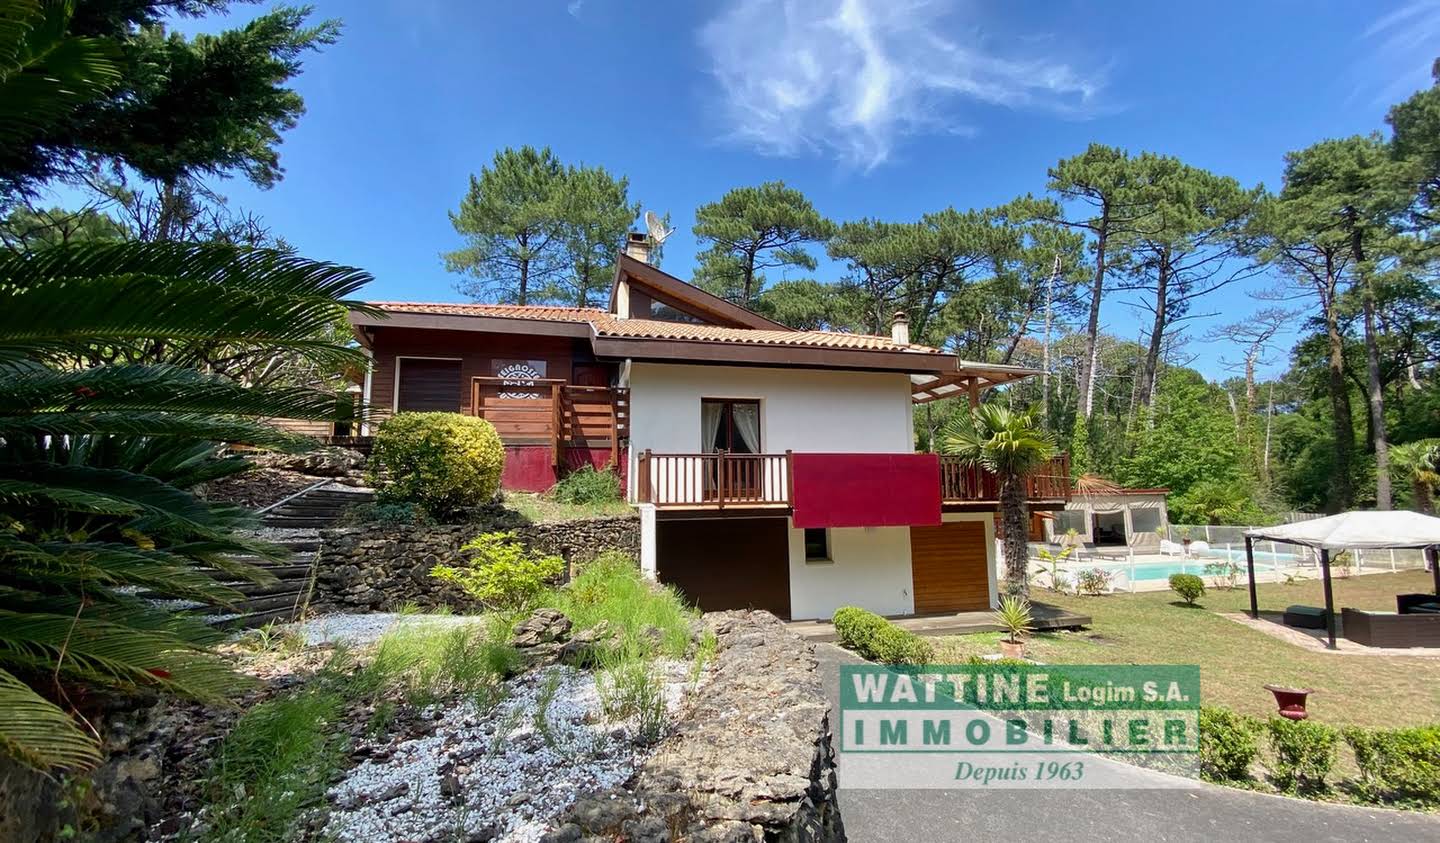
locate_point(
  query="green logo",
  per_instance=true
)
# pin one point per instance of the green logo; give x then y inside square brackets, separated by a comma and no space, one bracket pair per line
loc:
[1020,725]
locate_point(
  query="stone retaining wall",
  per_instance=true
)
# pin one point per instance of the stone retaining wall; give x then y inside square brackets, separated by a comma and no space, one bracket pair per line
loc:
[378,567]
[750,760]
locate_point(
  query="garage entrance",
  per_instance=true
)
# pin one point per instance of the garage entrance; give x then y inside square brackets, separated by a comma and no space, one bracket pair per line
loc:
[949,568]
[727,563]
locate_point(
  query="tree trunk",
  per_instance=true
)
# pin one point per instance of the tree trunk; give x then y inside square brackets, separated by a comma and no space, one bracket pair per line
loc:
[1045,347]
[1092,330]
[1341,493]
[1157,331]
[1376,393]
[523,293]
[1424,503]
[1269,415]
[1014,517]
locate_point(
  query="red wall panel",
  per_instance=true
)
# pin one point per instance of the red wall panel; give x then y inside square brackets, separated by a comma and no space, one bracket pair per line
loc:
[866,490]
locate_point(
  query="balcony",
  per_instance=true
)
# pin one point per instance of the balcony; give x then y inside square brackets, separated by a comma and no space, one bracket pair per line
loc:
[766,481]
[553,413]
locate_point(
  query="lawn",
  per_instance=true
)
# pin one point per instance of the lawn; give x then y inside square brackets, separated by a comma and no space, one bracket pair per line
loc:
[1235,661]
[542,510]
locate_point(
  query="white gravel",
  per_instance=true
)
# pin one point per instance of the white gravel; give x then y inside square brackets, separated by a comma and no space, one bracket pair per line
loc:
[508,774]
[358,630]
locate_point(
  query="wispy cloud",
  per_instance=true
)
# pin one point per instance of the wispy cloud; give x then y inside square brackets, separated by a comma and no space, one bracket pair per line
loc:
[1404,44]
[573,7]
[850,78]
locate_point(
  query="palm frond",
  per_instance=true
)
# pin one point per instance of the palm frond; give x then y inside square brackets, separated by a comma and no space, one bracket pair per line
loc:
[80,565]
[81,294]
[38,733]
[89,649]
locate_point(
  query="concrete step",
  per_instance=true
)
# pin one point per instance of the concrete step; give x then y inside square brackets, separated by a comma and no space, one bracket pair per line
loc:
[267,602]
[255,620]
[293,521]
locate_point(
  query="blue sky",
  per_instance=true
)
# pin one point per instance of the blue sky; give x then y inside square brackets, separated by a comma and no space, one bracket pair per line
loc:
[872,108]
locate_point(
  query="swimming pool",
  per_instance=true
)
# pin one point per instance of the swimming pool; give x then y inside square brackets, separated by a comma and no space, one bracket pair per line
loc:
[1149,571]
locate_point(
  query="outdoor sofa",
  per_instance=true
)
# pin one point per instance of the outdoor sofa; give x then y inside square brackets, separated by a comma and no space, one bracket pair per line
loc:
[1384,629]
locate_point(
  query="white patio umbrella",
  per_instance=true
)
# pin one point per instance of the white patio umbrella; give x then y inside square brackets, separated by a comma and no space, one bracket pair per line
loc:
[1362,529]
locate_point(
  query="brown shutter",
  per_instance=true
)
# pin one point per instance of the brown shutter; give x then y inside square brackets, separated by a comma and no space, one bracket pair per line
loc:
[429,386]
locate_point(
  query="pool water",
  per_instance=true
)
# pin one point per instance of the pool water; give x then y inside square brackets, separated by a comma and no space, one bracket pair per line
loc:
[1146,571]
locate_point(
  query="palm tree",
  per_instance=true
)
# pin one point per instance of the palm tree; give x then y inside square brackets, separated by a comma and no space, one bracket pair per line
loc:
[1419,463]
[1011,446]
[95,461]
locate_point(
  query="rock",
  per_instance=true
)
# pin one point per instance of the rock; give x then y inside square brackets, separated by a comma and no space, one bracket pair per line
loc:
[450,785]
[544,626]
[321,462]
[751,760]
[372,566]
[483,834]
[395,791]
[582,648]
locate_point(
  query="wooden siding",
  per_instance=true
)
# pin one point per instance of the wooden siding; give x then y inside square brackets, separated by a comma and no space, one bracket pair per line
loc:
[727,564]
[477,352]
[949,567]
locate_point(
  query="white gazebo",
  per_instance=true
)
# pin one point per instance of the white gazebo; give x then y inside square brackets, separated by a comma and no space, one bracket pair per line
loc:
[1362,529]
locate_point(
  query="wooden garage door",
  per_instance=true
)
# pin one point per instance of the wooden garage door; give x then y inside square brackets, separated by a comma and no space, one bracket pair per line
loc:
[429,386]
[727,563]
[949,568]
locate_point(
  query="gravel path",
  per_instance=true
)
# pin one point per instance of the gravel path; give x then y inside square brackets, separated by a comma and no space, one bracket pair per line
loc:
[359,630]
[503,773]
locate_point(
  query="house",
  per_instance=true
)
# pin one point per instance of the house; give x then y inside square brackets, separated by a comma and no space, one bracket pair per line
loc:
[1114,518]
[771,467]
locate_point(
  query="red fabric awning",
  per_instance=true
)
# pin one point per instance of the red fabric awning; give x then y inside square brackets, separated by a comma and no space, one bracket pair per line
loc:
[866,490]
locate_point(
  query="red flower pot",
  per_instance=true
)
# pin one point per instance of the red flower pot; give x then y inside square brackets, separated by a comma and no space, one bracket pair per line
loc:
[1291,701]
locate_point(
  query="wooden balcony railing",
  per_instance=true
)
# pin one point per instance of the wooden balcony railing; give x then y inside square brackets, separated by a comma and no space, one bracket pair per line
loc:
[962,483]
[551,412]
[751,481]
[714,480]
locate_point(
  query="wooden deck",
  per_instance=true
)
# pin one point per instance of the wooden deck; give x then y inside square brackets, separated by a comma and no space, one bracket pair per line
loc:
[1046,617]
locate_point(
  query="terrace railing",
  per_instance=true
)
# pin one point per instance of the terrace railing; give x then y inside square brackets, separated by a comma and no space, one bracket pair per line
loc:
[760,481]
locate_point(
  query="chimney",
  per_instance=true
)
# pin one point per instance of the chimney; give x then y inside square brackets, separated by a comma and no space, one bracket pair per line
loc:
[637,246]
[900,328]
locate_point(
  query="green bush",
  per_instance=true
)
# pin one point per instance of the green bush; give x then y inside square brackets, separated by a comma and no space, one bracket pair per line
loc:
[1229,743]
[501,573]
[1188,586]
[878,639]
[586,486]
[444,462]
[1304,753]
[1398,765]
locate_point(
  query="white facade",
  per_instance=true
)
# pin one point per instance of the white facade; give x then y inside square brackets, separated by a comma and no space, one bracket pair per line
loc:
[869,566]
[805,411]
[802,410]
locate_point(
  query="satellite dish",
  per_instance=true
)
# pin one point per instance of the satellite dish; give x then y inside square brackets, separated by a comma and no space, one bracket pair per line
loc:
[658,231]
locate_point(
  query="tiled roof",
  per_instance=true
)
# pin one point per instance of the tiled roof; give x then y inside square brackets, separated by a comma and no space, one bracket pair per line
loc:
[606,324]
[609,326]
[545,313]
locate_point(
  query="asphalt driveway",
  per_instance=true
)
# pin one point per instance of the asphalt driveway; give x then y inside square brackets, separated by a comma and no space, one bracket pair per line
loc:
[1207,813]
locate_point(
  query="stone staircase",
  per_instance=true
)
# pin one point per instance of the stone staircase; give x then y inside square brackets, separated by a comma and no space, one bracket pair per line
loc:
[295,523]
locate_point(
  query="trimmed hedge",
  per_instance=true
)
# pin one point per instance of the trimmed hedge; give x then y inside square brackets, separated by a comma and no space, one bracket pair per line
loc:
[1229,743]
[1398,765]
[444,462]
[878,639]
[1304,754]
